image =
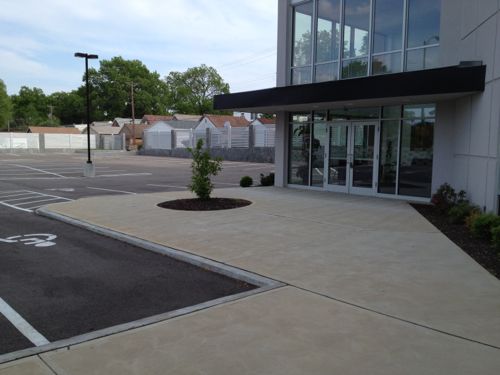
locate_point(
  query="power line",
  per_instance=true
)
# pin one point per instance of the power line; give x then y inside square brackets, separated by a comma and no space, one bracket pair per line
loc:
[247,60]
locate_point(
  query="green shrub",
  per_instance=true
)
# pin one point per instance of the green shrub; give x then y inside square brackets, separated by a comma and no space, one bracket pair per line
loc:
[203,167]
[495,237]
[246,181]
[459,213]
[482,225]
[446,197]
[267,180]
[473,215]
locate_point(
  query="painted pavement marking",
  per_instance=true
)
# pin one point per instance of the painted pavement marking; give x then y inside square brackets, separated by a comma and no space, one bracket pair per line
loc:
[116,191]
[22,325]
[27,197]
[39,170]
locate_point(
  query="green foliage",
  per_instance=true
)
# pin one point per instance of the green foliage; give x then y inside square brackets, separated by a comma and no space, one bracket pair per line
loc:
[193,90]
[246,181]
[495,236]
[111,90]
[31,107]
[446,197]
[5,106]
[203,167]
[267,180]
[482,225]
[458,213]
[69,107]
[471,218]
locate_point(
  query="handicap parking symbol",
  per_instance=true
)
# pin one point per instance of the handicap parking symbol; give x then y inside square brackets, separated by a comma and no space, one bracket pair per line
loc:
[37,240]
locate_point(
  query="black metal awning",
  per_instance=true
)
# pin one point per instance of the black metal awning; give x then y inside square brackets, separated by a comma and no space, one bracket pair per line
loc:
[408,87]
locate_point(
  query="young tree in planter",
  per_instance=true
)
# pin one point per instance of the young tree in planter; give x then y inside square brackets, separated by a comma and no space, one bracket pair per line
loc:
[203,167]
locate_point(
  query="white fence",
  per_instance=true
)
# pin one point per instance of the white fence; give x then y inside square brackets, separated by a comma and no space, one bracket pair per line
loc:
[213,138]
[41,142]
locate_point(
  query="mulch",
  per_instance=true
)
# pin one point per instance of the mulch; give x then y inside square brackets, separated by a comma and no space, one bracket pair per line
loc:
[480,250]
[212,204]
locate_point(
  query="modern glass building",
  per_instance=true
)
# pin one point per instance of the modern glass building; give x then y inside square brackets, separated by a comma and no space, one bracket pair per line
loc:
[387,98]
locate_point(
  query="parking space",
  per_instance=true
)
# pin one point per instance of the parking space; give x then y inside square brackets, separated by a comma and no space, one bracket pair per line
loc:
[58,281]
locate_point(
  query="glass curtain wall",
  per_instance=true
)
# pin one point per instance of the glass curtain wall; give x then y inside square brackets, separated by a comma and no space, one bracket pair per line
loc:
[302,43]
[327,40]
[336,39]
[405,151]
[356,38]
[299,149]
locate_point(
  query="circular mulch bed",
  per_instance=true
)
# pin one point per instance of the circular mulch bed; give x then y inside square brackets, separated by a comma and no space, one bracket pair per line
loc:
[212,204]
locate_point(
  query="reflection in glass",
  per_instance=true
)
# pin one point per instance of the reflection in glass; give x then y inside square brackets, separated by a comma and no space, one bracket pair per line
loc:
[388,28]
[355,68]
[353,113]
[320,138]
[423,58]
[383,64]
[328,34]
[362,169]
[301,75]
[337,162]
[299,154]
[302,25]
[416,154]
[326,72]
[391,112]
[356,25]
[423,22]
[388,156]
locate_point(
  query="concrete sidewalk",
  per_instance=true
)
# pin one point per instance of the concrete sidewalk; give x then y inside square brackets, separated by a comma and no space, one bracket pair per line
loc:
[373,288]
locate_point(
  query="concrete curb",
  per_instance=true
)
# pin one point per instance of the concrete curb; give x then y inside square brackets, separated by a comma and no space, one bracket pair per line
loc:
[263,284]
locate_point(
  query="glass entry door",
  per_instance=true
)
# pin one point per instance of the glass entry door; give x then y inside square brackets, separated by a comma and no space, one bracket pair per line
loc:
[350,157]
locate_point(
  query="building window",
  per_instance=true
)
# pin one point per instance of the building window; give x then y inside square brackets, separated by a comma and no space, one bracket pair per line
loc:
[300,148]
[387,36]
[355,38]
[327,40]
[302,43]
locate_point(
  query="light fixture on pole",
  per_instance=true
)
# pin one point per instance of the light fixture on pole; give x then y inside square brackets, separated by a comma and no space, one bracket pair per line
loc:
[89,170]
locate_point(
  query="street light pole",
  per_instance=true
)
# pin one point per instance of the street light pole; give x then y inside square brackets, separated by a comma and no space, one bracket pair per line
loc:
[132,84]
[89,168]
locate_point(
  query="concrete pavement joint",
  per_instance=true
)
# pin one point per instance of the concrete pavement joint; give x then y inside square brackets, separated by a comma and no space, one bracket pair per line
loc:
[46,364]
[396,317]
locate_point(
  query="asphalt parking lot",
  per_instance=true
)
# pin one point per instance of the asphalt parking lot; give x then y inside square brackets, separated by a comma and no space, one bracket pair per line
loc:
[58,281]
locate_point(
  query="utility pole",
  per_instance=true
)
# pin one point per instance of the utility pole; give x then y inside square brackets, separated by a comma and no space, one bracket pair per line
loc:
[132,84]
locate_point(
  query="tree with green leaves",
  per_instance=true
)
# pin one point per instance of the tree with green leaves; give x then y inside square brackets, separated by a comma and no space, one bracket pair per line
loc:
[69,107]
[31,107]
[111,89]
[203,167]
[5,106]
[193,91]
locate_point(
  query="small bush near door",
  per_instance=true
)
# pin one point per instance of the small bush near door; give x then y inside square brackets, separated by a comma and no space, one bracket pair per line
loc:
[246,181]
[267,180]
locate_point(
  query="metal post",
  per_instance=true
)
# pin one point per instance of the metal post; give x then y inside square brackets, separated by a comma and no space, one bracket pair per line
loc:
[89,161]
[89,170]
[133,113]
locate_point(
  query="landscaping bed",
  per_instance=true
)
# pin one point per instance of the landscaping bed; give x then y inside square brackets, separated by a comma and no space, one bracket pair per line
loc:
[212,204]
[481,250]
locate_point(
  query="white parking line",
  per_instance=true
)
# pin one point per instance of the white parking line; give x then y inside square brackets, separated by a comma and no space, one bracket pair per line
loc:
[22,325]
[38,170]
[116,191]
[28,197]
[168,186]
[124,174]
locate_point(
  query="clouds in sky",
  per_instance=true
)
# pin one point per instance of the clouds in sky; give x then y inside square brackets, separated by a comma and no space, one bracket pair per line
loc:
[38,39]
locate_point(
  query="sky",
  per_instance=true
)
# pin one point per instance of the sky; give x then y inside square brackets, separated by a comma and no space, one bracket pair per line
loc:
[38,39]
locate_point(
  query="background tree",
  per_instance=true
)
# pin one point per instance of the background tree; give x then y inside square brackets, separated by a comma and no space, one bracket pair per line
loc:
[69,107]
[30,107]
[193,91]
[5,106]
[110,89]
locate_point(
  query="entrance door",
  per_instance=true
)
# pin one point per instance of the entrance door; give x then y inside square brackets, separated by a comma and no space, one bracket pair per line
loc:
[350,158]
